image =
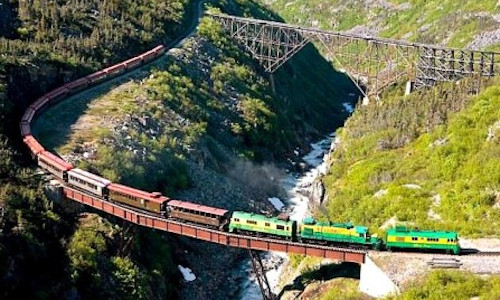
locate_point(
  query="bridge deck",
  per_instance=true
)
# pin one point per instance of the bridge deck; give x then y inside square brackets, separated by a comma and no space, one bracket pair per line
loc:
[215,236]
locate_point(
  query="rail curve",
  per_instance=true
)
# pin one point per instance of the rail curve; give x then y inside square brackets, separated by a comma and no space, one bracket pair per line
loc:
[145,219]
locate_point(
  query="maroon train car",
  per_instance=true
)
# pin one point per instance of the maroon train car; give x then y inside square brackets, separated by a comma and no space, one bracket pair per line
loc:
[25,129]
[78,85]
[153,202]
[197,213]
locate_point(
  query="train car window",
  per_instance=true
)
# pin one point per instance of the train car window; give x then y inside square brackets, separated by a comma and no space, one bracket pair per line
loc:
[236,220]
[251,222]
[280,227]
[267,224]
[414,238]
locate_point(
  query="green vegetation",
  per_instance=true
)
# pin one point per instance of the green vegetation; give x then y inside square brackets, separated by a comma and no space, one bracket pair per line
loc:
[452,285]
[229,111]
[343,289]
[408,157]
[102,269]
[44,252]
[179,113]
[45,44]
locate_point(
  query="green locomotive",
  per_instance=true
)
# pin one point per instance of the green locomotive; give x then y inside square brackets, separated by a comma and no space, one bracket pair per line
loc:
[338,233]
[329,233]
[261,224]
[402,237]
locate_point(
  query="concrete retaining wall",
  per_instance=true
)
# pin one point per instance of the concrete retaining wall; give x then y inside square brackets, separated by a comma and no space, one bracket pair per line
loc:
[374,282]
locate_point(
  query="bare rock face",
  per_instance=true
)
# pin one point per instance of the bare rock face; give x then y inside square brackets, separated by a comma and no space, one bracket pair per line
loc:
[317,192]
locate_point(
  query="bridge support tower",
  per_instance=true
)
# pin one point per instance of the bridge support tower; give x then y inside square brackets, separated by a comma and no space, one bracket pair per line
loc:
[260,275]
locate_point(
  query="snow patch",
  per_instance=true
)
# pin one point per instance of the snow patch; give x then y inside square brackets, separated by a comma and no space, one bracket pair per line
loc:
[348,107]
[412,186]
[380,193]
[389,223]
[187,273]
[276,202]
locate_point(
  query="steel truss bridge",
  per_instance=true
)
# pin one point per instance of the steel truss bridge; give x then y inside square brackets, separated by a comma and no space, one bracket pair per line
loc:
[372,63]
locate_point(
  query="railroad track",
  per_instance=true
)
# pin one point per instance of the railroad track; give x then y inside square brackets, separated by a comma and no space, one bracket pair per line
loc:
[483,253]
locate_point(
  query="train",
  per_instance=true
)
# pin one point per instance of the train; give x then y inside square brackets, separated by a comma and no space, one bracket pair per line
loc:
[237,222]
[343,234]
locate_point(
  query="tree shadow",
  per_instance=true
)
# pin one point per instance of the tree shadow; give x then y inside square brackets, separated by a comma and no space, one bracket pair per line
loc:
[324,273]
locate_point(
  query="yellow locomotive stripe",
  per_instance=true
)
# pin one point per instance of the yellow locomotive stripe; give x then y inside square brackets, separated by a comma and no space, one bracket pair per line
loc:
[261,225]
[421,240]
[330,230]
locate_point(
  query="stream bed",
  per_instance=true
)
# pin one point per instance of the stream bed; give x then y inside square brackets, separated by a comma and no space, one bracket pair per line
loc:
[297,186]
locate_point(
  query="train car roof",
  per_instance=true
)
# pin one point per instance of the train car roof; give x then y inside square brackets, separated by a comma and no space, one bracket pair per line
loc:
[90,176]
[197,207]
[33,144]
[154,197]
[259,217]
[57,161]
[76,82]
[347,225]
[422,233]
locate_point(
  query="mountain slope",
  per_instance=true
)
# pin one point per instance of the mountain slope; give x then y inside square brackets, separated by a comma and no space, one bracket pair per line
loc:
[415,159]
[453,23]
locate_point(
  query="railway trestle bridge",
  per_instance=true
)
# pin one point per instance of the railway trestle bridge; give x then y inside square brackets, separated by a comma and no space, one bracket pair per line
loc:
[372,63]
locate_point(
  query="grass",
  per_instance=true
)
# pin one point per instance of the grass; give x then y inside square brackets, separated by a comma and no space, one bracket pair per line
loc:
[452,285]
[453,160]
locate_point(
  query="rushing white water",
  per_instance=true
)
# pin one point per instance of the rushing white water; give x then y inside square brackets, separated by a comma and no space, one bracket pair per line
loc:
[298,207]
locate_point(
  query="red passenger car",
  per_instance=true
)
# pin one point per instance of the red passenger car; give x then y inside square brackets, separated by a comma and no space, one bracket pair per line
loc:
[33,145]
[39,103]
[133,62]
[28,115]
[77,85]
[57,95]
[97,76]
[115,69]
[188,211]
[54,164]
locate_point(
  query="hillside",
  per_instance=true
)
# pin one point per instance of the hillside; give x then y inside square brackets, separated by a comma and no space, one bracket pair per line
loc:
[47,249]
[415,150]
[203,124]
[438,170]
[430,159]
[196,124]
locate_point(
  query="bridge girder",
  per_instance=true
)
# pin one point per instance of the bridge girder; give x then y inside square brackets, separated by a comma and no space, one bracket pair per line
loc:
[372,63]
[260,275]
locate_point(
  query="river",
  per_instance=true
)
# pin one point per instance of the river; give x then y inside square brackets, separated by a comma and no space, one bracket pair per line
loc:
[297,205]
